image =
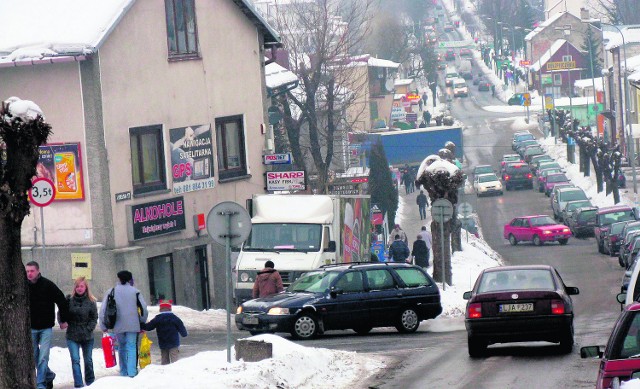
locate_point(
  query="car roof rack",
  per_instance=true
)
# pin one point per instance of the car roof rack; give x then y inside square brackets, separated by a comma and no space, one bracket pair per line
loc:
[351,264]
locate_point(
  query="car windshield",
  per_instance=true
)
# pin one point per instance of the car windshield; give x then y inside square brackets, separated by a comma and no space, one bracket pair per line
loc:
[545,173]
[533,150]
[549,165]
[483,170]
[612,217]
[616,228]
[522,137]
[587,216]
[488,178]
[459,85]
[575,205]
[542,221]
[283,236]
[541,158]
[509,158]
[571,195]
[557,178]
[521,279]
[314,282]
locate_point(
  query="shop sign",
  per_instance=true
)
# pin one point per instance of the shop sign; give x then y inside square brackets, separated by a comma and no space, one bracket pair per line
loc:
[413,97]
[62,164]
[191,158]
[290,180]
[561,65]
[157,218]
[397,113]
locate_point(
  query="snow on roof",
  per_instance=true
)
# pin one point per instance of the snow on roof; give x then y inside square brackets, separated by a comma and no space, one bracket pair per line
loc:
[635,76]
[631,35]
[368,60]
[633,63]
[575,101]
[276,75]
[544,58]
[383,63]
[588,83]
[545,24]
[403,81]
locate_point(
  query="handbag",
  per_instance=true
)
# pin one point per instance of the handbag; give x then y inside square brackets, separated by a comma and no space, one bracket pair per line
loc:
[109,350]
[144,355]
[111,312]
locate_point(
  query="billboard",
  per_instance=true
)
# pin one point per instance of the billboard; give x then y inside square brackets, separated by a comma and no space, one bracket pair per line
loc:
[156,218]
[62,164]
[191,158]
[289,180]
[355,229]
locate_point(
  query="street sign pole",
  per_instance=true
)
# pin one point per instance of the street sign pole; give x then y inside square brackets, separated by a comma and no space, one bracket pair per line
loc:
[44,245]
[41,194]
[227,215]
[444,277]
[441,212]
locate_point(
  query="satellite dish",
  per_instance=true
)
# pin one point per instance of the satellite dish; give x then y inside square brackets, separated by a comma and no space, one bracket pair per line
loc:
[388,85]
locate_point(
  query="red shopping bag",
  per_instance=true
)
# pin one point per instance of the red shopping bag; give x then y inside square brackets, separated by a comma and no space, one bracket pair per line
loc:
[109,350]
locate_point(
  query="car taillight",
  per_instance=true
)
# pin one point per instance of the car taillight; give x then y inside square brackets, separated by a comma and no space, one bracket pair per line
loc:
[529,175]
[557,307]
[614,238]
[474,311]
[506,177]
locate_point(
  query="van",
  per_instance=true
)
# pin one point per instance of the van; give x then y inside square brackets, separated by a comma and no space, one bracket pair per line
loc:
[460,88]
[450,74]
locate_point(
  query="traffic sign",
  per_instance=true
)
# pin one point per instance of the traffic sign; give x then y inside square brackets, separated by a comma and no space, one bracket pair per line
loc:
[441,210]
[42,192]
[525,62]
[465,210]
[228,220]
[548,102]
[526,99]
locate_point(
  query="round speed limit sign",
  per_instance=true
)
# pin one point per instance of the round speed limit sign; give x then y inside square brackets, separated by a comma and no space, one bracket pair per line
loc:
[42,192]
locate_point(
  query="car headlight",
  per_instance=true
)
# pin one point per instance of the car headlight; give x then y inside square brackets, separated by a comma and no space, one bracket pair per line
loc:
[239,310]
[547,232]
[566,230]
[278,311]
[244,277]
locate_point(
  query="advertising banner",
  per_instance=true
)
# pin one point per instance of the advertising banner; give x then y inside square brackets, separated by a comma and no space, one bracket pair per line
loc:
[62,164]
[292,180]
[356,238]
[191,158]
[156,218]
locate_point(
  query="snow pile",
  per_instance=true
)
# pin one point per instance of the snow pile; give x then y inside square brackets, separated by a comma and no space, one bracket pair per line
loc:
[632,384]
[440,166]
[26,110]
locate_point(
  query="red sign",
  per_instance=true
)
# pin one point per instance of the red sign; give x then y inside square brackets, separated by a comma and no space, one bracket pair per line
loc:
[359,180]
[413,97]
[525,62]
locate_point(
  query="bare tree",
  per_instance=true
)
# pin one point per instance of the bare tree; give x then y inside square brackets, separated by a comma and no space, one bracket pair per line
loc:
[617,11]
[21,136]
[321,37]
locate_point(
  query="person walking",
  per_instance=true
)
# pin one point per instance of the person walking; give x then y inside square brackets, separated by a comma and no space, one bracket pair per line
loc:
[420,252]
[426,116]
[44,294]
[170,328]
[423,203]
[128,321]
[267,282]
[424,98]
[406,180]
[397,230]
[426,236]
[399,251]
[83,318]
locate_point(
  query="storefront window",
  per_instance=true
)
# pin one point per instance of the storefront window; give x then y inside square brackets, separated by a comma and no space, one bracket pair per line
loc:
[161,282]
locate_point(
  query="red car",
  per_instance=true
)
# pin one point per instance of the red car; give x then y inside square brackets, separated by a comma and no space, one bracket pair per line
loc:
[620,360]
[608,215]
[554,179]
[466,52]
[537,229]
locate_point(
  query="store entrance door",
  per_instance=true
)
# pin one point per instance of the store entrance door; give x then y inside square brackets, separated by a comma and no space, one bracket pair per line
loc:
[202,278]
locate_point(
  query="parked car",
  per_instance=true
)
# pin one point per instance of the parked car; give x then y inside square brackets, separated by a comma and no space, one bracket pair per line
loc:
[483,169]
[631,251]
[563,196]
[522,144]
[582,221]
[620,360]
[484,86]
[532,151]
[629,233]
[548,165]
[628,273]
[535,161]
[554,179]
[613,238]
[520,136]
[466,52]
[486,184]
[346,296]
[537,229]
[509,158]
[632,294]
[571,207]
[516,99]
[608,215]
[518,174]
[519,304]
[542,176]
[448,27]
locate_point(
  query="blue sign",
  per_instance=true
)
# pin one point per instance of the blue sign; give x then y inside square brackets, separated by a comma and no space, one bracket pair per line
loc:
[571,141]
[380,250]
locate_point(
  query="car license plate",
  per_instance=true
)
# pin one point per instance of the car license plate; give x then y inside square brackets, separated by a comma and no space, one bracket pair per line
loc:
[559,236]
[508,308]
[250,320]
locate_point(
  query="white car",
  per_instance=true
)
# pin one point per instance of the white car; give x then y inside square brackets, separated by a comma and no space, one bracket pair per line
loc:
[460,87]
[486,184]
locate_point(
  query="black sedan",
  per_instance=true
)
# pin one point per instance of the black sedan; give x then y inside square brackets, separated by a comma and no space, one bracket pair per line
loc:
[519,304]
[346,296]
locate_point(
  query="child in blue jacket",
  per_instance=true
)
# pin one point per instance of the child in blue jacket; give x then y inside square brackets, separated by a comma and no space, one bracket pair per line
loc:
[169,326]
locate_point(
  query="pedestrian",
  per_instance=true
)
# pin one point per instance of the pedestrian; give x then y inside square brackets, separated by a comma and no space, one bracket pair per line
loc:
[268,281]
[420,104]
[406,180]
[493,90]
[423,203]
[397,230]
[128,321]
[399,251]
[169,328]
[426,115]
[83,317]
[420,252]
[426,236]
[43,296]
[424,98]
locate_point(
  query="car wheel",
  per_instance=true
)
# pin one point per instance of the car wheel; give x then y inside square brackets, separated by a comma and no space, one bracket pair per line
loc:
[563,241]
[513,240]
[600,248]
[620,262]
[305,327]
[566,342]
[537,241]
[362,330]
[408,321]
[477,348]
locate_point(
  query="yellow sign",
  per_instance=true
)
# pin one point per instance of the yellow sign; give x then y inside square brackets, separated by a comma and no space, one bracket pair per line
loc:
[81,265]
[526,99]
[561,65]
[548,102]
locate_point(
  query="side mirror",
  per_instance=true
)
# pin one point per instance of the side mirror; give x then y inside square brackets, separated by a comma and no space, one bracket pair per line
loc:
[335,292]
[572,290]
[466,295]
[621,297]
[332,247]
[591,352]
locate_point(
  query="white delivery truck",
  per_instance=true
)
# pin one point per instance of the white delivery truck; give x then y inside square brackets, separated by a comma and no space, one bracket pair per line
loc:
[301,233]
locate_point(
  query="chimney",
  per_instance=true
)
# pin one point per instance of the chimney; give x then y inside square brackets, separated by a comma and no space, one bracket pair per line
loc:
[584,14]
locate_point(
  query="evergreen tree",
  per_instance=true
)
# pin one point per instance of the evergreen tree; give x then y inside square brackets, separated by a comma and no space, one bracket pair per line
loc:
[590,47]
[383,192]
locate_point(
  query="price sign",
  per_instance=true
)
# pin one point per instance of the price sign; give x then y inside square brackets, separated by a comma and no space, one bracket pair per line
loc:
[42,192]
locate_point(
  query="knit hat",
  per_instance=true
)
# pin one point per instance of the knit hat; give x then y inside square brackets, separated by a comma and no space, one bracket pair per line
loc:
[166,304]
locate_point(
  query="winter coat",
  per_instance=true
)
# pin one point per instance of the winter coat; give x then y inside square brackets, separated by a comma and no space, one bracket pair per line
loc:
[426,236]
[127,319]
[83,317]
[421,253]
[43,294]
[268,282]
[397,231]
[399,251]
[421,200]
[169,326]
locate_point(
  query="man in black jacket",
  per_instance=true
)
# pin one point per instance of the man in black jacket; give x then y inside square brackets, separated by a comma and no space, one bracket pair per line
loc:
[399,251]
[43,294]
